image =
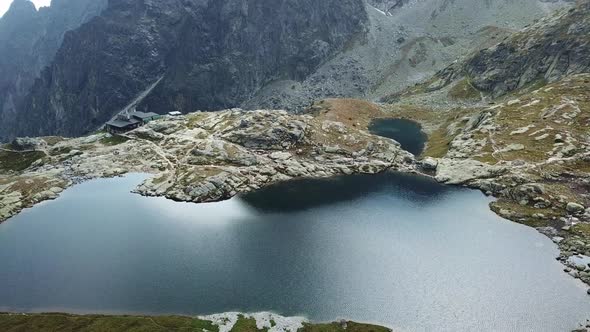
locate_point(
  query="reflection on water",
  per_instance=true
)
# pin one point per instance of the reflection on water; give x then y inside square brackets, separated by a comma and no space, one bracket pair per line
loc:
[398,250]
[311,193]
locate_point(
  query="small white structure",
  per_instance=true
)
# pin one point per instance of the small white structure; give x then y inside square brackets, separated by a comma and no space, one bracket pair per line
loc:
[175,113]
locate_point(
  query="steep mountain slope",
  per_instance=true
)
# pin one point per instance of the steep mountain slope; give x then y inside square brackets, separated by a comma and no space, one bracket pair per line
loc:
[549,50]
[161,55]
[29,40]
[209,55]
[407,42]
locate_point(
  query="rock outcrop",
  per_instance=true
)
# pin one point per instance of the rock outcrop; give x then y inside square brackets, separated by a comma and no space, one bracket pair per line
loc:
[452,171]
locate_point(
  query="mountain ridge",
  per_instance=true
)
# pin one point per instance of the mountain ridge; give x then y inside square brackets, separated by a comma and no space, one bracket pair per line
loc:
[234,53]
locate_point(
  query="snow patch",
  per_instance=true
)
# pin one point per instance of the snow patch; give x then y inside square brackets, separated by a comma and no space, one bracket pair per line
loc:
[379,10]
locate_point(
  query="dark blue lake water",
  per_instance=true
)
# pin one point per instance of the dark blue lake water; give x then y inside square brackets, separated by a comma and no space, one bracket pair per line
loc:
[408,133]
[393,249]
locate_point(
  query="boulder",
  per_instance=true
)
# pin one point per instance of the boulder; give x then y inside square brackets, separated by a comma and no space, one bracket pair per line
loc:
[28,144]
[451,171]
[513,147]
[557,239]
[429,164]
[575,208]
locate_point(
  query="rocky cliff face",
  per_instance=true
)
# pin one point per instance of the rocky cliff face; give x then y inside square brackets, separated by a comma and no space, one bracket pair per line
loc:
[29,40]
[407,42]
[204,55]
[549,50]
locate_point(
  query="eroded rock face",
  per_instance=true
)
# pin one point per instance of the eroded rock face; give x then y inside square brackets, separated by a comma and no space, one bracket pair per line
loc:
[29,40]
[551,49]
[205,55]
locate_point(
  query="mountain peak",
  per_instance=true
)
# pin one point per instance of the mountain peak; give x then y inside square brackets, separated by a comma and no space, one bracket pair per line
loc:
[22,6]
[19,9]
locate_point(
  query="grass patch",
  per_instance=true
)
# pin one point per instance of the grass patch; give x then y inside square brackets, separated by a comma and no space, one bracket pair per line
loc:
[18,161]
[582,229]
[464,90]
[52,140]
[113,140]
[161,179]
[245,325]
[337,327]
[523,214]
[558,108]
[438,144]
[60,150]
[351,112]
[95,323]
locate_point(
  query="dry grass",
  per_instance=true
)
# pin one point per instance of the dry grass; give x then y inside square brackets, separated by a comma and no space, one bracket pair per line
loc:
[351,112]
[434,123]
[524,213]
[546,108]
[464,90]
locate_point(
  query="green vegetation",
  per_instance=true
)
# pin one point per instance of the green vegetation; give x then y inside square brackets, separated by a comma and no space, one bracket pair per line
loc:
[348,327]
[439,140]
[113,140]
[92,323]
[60,150]
[464,90]
[96,323]
[582,230]
[52,140]
[558,108]
[246,325]
[438,143]
[18,161]
[523,214]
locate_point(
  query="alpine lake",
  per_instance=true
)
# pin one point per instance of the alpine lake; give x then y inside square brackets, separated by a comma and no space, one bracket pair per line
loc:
[392,249]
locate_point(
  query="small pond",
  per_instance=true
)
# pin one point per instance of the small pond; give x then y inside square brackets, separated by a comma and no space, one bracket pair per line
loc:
[408,133]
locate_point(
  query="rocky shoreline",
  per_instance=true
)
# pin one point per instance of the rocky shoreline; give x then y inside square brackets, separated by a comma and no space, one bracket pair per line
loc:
[531,152]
